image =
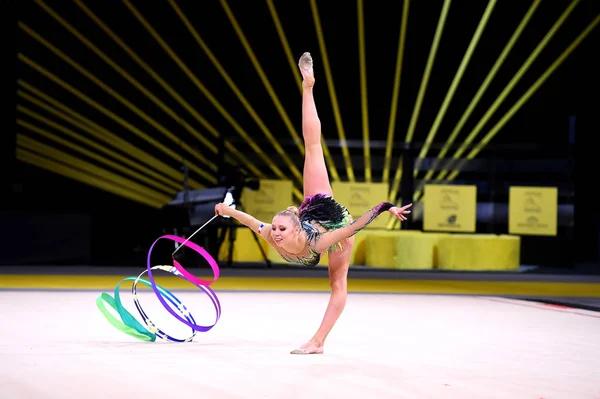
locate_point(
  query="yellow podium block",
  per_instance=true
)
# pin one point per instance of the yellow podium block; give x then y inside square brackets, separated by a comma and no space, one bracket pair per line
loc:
[359,250]
[381,250]
[479,252]
[381,247]
[245,248]
[418,251]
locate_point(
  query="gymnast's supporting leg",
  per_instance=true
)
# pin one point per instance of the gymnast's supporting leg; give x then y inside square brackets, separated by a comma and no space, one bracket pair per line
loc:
[339,262]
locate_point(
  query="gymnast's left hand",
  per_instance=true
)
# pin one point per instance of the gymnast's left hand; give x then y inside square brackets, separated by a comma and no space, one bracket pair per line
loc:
[400,212]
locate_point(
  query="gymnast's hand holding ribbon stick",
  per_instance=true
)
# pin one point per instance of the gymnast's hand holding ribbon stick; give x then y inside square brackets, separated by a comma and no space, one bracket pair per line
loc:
[227,203]
[224,209]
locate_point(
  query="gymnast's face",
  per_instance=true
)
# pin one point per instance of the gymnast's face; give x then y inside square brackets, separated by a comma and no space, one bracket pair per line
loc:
[283,229]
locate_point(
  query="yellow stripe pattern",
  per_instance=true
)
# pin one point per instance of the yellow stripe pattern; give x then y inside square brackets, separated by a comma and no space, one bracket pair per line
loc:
[304,284]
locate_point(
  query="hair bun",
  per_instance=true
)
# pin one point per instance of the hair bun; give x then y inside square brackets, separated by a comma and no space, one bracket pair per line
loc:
[294,210]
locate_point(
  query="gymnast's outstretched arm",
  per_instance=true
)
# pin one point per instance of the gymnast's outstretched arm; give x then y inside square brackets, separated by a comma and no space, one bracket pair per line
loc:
[261,228]
[328,239]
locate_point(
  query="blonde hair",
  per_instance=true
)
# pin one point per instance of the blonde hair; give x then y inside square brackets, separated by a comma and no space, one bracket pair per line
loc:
[294,210]
[291,211]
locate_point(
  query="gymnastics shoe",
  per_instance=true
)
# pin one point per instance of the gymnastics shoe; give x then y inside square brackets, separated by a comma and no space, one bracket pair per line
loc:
[306,68]
[308,351]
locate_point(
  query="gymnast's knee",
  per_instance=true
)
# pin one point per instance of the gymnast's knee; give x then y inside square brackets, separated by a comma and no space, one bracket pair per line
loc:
[338,284]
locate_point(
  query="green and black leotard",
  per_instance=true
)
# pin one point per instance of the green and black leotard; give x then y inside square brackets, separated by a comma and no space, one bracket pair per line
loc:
[323,210]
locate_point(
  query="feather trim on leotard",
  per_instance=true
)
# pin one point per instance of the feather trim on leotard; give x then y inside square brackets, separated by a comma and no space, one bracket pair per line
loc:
[326,211]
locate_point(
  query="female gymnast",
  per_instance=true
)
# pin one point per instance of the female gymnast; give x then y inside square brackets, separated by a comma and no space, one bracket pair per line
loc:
[321,224]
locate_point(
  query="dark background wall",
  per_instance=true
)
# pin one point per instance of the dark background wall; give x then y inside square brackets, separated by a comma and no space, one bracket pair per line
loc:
[49,218]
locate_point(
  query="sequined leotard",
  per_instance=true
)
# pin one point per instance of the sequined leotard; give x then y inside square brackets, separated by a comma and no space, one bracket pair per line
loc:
[323,210]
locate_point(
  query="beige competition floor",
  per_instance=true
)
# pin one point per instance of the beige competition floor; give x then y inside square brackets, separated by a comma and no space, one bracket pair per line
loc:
[59,345]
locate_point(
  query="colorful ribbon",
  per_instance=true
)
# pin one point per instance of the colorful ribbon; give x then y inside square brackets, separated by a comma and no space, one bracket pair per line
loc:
[131,326]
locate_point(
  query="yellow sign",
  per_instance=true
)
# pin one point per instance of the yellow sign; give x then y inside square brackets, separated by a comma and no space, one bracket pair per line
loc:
[272,197]
[358,198]
[449,207]
[532,210]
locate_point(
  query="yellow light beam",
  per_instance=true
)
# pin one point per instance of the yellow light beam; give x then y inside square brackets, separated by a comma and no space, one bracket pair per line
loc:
[63,157]
[91,180]
[494,130]
[211,129]
[417,108]
[294,66]
[330,85]
[101,133]
[121,121]
[510,86]
[455,82]
[265,80]
[207,175]
[394,108]
[90,143]
[209,144]
[488,80]
[363,90]
[210,97]
[524,98]
[285,157]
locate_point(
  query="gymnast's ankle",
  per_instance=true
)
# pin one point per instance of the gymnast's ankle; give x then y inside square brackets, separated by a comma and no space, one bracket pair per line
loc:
[313,343]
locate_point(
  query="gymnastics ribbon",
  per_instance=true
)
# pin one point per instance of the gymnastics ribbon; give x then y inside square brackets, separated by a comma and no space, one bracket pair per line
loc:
[131,326]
